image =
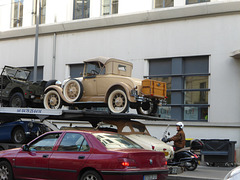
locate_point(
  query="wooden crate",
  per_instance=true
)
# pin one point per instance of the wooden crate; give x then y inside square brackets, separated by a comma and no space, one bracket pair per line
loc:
[154,88]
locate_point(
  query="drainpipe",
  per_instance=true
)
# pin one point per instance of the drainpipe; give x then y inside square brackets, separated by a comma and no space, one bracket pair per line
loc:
[54,56]
[38,7]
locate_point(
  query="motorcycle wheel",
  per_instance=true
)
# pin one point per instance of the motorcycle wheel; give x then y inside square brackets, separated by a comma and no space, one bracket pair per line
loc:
[192,167]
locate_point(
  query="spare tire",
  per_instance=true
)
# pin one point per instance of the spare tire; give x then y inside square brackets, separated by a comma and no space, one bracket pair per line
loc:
[73,90]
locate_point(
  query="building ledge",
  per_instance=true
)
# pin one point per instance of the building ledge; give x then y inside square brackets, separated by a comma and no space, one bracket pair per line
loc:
[156,15]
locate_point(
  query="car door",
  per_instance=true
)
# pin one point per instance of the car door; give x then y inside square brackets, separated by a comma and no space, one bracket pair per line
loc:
[70,156]
[33,161]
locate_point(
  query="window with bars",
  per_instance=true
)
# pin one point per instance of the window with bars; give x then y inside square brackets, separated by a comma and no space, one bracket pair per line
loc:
[17,13]
[109,7]
[187,86]
[196,1]
[81,9]
[163,3]
[42,13]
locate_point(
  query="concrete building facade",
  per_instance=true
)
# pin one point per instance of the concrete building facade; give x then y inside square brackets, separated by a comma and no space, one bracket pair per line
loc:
[192,46]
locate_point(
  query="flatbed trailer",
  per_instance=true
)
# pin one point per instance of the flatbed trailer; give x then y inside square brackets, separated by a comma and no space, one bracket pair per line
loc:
[8,114]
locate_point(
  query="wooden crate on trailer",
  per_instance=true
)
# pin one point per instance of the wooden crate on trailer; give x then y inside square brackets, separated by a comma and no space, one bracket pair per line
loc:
[154,88]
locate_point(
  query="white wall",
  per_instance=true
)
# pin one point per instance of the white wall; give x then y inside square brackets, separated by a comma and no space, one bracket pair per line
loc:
[126,6]
[5,14]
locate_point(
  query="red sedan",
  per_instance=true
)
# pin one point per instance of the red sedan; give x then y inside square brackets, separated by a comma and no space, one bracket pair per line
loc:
[84,155]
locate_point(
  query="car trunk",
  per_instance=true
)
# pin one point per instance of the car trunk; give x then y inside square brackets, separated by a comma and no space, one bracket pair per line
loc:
[146,159]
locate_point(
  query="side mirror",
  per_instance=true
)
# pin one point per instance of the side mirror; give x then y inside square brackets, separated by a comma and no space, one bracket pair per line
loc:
[168,133]
[25,147]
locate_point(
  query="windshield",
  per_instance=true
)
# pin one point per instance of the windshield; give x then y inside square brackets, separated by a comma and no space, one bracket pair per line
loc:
[93,68]
[116,141]
[16,73]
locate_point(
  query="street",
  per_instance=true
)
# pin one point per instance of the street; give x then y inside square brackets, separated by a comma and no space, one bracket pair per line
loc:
[202,173]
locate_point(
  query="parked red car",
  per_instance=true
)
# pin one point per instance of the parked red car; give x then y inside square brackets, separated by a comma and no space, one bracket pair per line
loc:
[82,155]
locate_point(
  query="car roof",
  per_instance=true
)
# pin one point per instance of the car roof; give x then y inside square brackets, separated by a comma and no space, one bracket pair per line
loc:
[105,60]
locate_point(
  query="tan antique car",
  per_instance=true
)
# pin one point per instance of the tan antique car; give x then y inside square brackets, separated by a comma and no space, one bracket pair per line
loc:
[107,82]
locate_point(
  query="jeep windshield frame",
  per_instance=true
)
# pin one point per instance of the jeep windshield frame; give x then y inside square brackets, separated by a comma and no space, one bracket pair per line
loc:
[16,73]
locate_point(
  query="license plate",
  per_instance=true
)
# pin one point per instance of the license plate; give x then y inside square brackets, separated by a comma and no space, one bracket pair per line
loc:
[150,177]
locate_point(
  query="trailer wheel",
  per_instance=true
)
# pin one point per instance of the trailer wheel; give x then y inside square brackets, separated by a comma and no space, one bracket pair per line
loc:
[17,100]
[91,175]
[147,108]
[118,101]
[6,170]
[73,90]
[52,100]
[18,136]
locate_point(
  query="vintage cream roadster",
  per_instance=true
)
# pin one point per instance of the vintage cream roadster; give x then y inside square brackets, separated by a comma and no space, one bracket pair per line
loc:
[107,82]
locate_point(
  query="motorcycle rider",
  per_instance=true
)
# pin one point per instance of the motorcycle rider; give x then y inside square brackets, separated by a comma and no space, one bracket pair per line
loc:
[179,138]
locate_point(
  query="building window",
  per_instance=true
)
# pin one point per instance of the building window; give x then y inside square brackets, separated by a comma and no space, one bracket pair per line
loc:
[42,13]
[187,87]
[109,7]
[163,3]
[76,70]
[81,9]
[17,13]
[39,73]
[196,1]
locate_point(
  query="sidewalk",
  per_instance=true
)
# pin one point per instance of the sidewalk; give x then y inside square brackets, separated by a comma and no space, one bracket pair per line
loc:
[202,173]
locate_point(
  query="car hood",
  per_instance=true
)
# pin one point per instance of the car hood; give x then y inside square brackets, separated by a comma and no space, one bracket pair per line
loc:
[149,142]
[9,152]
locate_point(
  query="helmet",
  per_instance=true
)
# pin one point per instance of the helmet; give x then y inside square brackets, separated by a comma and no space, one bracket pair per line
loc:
[180,124]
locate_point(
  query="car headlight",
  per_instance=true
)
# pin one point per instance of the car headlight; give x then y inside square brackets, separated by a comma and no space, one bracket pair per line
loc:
[58,83]
[30,125]
[234,174]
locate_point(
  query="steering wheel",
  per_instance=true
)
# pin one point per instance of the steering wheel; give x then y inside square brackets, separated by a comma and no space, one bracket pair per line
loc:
[94,72]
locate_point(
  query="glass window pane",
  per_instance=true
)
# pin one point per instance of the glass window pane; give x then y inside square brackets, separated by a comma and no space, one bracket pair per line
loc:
[45,143]
[116,141]
[196,1]
[164,112]
[81,9]
[168,3]
[71,142]
[196,97]
[114,6]
[158,3]
[195,113]
[196,65]
[190,113]
[163,3]
[196,82]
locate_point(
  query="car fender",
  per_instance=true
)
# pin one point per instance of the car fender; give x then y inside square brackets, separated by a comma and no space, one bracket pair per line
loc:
[59,90]
[126,88]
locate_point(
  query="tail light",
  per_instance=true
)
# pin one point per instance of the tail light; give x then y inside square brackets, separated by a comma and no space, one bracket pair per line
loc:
[164,162]
[196,156]
[127,163]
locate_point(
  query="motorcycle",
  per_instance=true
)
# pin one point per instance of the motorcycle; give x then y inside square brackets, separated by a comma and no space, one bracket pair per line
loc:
[185,157]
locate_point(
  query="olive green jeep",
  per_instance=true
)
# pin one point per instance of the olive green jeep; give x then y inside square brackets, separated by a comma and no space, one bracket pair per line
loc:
[17,91]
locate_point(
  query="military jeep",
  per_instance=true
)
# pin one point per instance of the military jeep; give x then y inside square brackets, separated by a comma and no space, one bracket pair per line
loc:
[17,91]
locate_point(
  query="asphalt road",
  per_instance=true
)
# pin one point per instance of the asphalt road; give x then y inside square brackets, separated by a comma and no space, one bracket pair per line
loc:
[202,173]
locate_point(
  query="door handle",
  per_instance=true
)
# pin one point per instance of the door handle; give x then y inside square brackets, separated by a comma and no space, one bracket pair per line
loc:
[45,156]
[81,157]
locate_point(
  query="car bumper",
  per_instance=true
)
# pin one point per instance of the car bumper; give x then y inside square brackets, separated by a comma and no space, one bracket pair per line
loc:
[134,174]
